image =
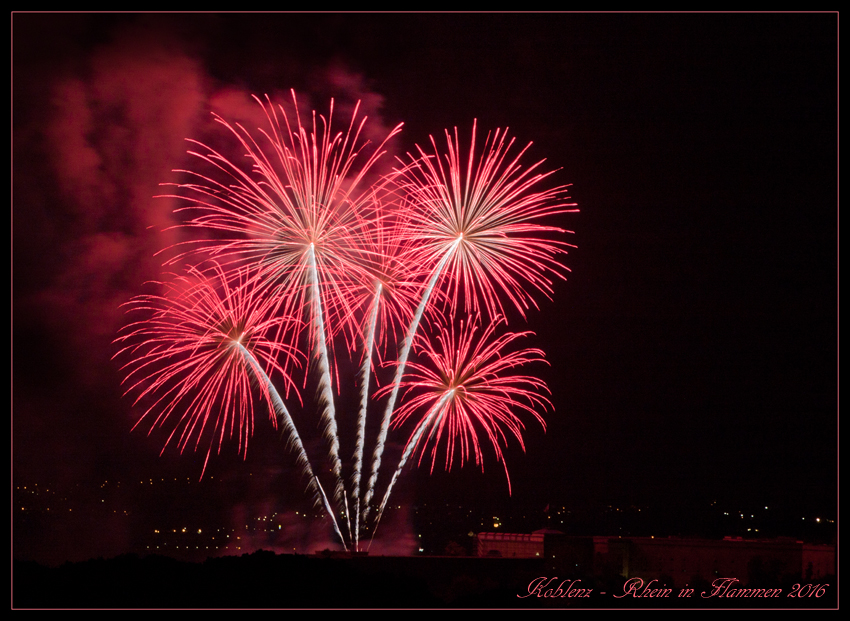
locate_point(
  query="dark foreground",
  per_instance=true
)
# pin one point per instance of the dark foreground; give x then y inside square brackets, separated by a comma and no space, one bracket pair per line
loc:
[266,580]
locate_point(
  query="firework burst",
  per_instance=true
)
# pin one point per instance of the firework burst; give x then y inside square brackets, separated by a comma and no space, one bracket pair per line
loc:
[196,354]
[297,212]
[308,238]
[478,225]
[466,388]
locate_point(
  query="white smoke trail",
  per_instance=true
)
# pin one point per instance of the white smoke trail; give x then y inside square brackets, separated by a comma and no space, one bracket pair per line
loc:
[402,363]
[326,397]
[365,372]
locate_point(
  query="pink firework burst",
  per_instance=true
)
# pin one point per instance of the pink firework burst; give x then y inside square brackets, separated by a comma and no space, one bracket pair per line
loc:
[201,355]
[479,223]
[465,388]
[296,213]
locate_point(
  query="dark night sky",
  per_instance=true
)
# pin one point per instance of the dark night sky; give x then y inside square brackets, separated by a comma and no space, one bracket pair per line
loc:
[693,348]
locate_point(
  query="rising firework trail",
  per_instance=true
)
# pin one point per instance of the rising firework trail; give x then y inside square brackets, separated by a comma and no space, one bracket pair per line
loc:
[400,368]
[387,309]
[293,436]
[200,344]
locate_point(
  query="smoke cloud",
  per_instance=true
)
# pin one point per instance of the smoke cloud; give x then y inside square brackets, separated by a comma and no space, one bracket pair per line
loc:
[100,123]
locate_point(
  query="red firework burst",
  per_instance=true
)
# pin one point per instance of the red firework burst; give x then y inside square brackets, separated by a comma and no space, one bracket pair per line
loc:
[466,388]
[197,355]
[481,222]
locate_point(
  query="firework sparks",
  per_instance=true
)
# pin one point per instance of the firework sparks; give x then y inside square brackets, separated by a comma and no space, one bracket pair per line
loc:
[389,295]
[300,202]
[474,373]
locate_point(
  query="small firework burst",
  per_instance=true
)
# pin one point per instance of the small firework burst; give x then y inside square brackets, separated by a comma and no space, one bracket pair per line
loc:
[196,355]
[466,388]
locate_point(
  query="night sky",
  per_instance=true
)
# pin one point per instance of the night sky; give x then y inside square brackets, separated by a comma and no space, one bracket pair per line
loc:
[693,346]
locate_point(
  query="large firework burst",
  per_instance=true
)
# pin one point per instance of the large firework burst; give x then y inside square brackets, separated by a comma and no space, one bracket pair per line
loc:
[465,388]
[478,224]
[298,212]
[472,374]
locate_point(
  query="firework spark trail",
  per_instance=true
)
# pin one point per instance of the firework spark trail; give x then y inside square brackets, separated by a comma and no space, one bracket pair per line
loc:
[294,439]
[402,363]
[326,396]
[365,373]
[385,300]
